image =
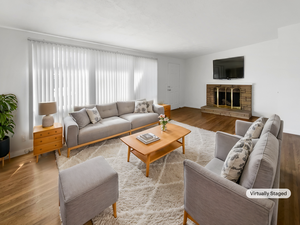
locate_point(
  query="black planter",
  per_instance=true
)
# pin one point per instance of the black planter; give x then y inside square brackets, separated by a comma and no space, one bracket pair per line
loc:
[4,147]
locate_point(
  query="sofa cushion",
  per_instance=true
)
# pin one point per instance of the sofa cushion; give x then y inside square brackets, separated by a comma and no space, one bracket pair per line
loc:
[125,107]
[260,169]
[108,110]
[77,108]
[236,160]
[140,119]
[105,128]
[255,129]
[272,125]
[81,118]
[215,166]
[93,115]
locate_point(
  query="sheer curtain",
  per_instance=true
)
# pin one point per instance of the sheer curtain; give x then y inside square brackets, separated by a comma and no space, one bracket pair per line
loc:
[61,74]
[145,78]
[114,77]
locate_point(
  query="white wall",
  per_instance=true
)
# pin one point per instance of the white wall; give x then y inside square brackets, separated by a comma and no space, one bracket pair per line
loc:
[14,76]
[273,69]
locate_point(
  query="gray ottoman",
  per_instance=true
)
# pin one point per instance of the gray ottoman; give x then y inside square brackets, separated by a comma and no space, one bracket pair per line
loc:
[86,189]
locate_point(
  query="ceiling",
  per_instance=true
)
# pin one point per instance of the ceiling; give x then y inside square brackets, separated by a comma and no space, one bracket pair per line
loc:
[178,28]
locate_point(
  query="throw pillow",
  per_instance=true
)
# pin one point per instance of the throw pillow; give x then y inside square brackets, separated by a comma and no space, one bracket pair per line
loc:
[81,118]
[94,115]
[255,129]
[150,106]
[236,159]
[140,107]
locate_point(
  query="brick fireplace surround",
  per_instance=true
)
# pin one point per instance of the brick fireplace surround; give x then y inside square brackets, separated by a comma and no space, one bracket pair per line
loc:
[244,110]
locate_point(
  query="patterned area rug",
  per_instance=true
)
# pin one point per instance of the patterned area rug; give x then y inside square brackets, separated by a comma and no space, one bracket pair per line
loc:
[157,199]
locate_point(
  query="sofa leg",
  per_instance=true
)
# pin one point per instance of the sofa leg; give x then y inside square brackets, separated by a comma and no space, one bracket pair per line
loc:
[115,209]
[69,152]
[185,218]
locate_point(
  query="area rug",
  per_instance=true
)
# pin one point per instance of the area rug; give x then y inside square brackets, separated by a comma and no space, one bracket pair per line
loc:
[157,199]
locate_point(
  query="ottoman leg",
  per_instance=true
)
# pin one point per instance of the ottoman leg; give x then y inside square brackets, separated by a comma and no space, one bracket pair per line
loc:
[115,209]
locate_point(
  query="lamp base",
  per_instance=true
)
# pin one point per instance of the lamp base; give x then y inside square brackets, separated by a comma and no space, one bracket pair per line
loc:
[47,121]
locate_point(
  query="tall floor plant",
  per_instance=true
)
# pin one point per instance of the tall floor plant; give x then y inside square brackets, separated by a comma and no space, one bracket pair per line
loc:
[8,104]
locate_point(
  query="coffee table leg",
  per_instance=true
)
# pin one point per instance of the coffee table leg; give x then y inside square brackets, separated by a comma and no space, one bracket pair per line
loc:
[183,145]
[147,165]
[128,157]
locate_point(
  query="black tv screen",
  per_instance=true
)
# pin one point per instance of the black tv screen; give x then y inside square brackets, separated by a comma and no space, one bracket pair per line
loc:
[230,68]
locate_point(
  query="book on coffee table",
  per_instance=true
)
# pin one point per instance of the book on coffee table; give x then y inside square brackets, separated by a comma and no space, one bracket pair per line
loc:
[147,138]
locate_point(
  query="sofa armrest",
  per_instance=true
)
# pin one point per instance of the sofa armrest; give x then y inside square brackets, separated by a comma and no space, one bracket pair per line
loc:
[71,130]
[212,199]
[224,143]
[158,109]
[241,127]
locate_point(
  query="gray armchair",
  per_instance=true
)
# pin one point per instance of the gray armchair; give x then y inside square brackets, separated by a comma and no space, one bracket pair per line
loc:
[212,199]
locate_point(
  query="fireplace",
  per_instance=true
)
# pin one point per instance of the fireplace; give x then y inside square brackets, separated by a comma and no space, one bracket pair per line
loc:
[227,97]
[230,100]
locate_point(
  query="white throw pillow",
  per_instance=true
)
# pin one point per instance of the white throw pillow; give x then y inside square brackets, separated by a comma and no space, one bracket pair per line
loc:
[150,106]
[140,107]
[236,159]
[255,129]
[94,115]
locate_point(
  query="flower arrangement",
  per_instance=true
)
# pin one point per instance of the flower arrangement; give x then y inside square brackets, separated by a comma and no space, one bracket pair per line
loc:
[163,121]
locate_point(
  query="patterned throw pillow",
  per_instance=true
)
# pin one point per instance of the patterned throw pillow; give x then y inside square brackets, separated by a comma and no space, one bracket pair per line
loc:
[140,107]
[94,115]
[255,129]
[236,159]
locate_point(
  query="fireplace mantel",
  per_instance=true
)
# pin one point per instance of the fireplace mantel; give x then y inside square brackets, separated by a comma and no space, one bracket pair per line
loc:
[216,91]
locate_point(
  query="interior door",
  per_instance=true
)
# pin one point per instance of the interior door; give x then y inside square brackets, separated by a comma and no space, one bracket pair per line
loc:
[173,85]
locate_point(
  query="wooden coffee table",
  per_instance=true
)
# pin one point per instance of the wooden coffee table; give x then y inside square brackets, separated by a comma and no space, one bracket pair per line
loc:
[169,141]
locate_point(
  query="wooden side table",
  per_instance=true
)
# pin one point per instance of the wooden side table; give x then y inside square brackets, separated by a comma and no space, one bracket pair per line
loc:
[167,110]
[47,139]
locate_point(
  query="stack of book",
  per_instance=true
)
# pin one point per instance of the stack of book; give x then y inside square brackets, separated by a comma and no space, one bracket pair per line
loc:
[147,138]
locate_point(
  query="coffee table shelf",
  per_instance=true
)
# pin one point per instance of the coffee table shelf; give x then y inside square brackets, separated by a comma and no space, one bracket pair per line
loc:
[158,154]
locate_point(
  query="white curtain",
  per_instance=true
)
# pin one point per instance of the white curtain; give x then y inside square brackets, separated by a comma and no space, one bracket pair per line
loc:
[114,77]
[145,78]
[71,76]
[59,73]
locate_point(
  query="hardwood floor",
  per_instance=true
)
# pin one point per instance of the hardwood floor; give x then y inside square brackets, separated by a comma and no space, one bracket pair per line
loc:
[28,190]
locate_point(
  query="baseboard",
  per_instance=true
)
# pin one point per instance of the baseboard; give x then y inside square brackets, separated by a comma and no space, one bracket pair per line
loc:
[291,131]
[20,152]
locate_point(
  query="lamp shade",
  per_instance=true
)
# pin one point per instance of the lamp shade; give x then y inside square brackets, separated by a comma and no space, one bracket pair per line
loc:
[47,108]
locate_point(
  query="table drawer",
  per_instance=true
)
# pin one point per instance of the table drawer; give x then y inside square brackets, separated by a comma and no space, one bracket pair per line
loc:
[168,114]
[47,133]
[47,147]
[167,107]
[45,140]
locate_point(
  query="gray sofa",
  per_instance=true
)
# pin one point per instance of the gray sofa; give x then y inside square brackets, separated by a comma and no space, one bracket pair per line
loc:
[117,118]
[212,199]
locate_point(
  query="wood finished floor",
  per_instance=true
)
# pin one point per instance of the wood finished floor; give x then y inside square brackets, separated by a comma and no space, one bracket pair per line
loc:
[28,190]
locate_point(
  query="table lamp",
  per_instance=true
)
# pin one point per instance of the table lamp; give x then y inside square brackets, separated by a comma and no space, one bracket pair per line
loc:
[47,108]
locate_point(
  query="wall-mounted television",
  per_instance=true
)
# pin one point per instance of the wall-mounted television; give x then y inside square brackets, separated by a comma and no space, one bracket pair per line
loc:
[230,68]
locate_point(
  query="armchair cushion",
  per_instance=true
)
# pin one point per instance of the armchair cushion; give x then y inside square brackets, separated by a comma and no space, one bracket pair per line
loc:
[215,165]
[260,169]
[236,160]
[255,129]
[272,125]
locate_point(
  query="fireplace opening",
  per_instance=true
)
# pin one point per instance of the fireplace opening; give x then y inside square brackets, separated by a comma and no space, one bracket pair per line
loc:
[227,98]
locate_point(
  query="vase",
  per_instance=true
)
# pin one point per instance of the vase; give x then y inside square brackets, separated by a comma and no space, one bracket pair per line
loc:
[163,127]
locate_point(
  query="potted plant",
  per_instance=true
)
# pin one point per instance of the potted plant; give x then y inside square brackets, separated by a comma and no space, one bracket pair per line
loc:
[8,104]
[163,121]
